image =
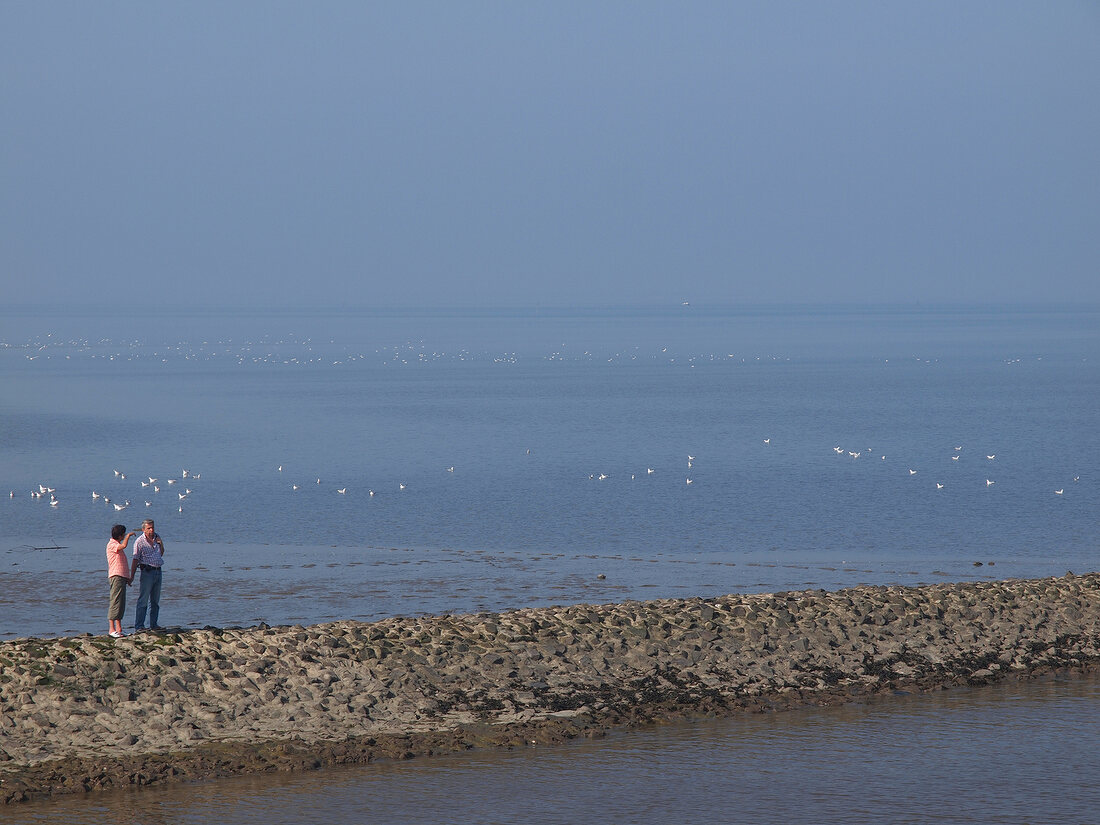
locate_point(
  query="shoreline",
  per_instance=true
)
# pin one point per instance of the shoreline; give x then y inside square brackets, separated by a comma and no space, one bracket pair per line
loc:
[87,713]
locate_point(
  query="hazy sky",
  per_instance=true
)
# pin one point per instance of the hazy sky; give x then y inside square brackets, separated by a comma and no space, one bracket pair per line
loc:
[558,154]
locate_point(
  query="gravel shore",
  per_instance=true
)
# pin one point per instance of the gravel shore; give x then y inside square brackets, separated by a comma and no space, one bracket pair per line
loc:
[91,712]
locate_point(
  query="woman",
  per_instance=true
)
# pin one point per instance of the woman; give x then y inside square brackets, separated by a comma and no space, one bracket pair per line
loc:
[121,576]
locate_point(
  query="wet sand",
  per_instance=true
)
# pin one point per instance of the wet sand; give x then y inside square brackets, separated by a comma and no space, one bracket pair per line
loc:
[89,712]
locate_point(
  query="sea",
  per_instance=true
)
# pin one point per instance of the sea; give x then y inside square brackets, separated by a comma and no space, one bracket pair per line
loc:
[312,465]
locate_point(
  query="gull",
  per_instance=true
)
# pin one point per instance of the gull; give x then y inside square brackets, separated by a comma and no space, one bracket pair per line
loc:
[148,504]
[42,488]
[991,457]
[11,494]
[156,489]
[691,458]
[954,458]
[649,471]
[838,450]
[912,472]
[451,469]
[318,481]
[989,483]
[342,490]
[957,449]
[122,476]
[939,486]
[401,485]
[185,473]
[117,473]
[121,506]
[183,496]
[1059,492]
[152,480]
[293,486]
[171,481]
[95,495]
[855,455]
[690,481]
[181,508]
[280,468]
[370,493]
[1076,479]
[53,502]
[106,500]
[767,441]
[603,476]
[632,476]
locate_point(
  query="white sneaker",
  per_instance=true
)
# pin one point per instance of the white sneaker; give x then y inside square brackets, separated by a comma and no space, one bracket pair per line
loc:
[116,634]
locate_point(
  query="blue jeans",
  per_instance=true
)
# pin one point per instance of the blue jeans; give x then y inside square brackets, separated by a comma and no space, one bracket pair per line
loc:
[148,598]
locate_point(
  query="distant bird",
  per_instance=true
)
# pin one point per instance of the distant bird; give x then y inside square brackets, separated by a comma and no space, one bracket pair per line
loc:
[122,506]
[117,474]
[182,496]
[1059,492]
[989,483]
[53,502]
[939,486]
[649,471]
[1076,479]
[95,495]
[152,480]
[294,486]
[958,448]
[185,473]
[603,476]
[855,455]
[342,490]
[954,458]
[912,472]
[280,468]
[838,450]
[767,441]
[370,493]
[145,483]
[171,481]
[690,481]
[156,489]
[318,481]
[991,457]
[401,485]
[148,504]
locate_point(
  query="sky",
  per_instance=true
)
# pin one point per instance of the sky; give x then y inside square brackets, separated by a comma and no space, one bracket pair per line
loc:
[559,154]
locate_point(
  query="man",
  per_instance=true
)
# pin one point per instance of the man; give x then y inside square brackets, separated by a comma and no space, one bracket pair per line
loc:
[148,557]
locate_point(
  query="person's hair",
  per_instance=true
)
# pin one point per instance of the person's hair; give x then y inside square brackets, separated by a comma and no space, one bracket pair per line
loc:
[117,532]
[147,521]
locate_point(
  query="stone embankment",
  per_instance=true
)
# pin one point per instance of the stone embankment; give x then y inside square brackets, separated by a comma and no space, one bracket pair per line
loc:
[83,713]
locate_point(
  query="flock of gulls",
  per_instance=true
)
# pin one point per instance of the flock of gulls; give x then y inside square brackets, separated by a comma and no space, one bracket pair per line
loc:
[174,491]
[151,486]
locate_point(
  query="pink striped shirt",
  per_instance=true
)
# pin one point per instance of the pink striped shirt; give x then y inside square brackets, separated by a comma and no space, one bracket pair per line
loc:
[116,560]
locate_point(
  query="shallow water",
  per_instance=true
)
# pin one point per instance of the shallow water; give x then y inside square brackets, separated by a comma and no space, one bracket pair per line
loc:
[1012,753]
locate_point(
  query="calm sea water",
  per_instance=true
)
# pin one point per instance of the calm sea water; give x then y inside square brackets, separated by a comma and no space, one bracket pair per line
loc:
[544,459]
[538,451]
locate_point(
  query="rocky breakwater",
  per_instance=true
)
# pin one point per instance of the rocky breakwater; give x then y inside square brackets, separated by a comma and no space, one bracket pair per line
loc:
[92,712]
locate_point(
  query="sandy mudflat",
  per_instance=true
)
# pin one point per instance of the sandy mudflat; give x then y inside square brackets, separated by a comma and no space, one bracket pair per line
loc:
[90,712]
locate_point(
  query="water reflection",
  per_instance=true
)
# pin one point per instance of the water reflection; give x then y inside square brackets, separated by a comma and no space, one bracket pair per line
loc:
[1007,753]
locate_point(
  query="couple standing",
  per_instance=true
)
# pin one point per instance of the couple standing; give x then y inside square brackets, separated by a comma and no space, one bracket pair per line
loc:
[148,557]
